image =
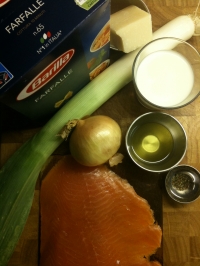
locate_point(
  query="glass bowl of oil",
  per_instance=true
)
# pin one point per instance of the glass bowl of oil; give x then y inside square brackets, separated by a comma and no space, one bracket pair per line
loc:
[183,183]
[156,141]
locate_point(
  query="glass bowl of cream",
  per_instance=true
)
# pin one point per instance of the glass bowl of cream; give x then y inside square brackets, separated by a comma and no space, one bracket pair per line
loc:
[166,74]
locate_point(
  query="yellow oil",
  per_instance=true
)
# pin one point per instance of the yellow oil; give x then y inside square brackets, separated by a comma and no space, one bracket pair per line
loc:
[152,142]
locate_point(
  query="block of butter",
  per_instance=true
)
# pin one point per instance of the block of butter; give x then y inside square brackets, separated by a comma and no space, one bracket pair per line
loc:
[131,28]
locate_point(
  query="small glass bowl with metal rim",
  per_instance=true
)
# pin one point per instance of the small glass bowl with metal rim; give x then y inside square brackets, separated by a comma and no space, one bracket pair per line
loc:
[183,183]
[177,146]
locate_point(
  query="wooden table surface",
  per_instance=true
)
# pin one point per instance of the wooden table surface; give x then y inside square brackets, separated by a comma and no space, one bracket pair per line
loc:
[181,223]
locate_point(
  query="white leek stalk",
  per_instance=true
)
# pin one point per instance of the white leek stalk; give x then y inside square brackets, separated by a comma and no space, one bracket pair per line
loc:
[19,175]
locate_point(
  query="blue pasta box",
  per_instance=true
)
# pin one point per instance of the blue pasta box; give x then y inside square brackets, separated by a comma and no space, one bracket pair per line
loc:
[49,50]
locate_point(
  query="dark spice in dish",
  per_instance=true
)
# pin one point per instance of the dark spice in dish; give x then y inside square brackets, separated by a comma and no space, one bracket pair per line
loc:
[181,181]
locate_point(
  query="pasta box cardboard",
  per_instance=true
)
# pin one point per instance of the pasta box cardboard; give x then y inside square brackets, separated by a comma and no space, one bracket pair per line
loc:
[49,50]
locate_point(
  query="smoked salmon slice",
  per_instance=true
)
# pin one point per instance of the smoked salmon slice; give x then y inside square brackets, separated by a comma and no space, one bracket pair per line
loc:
[92,217]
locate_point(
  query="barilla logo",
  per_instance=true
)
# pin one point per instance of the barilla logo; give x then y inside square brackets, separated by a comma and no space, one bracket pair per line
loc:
[3,2]
[46,75]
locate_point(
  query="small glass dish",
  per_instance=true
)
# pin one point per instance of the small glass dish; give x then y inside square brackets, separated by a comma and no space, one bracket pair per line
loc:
[156,142]
[183,183]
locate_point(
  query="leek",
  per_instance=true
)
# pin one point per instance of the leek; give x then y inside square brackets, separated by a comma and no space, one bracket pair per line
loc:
[19,175]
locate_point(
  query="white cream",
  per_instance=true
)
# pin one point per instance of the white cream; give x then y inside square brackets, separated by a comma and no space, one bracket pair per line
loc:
[165,78]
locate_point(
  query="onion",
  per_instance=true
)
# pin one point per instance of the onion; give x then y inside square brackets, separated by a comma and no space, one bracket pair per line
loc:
[95,140]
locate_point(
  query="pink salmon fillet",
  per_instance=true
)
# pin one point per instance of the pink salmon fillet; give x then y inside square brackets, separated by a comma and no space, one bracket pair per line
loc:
[92,217]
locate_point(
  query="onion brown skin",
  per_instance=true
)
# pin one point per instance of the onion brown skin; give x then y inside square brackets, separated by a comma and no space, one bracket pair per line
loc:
[95,140]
